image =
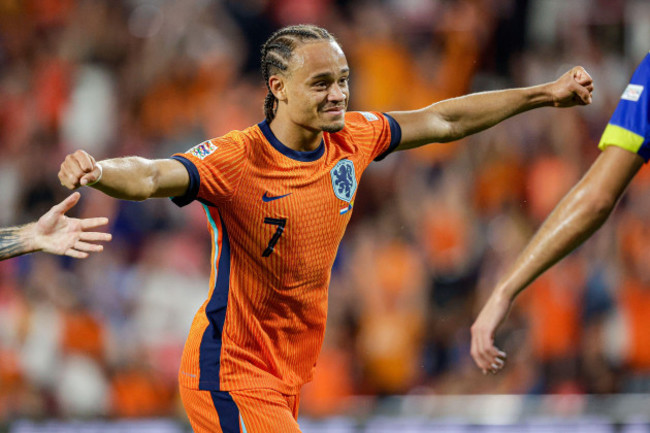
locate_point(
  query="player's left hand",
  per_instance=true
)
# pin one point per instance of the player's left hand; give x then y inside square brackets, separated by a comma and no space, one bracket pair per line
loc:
[575,87]
[56,233]
[486,355]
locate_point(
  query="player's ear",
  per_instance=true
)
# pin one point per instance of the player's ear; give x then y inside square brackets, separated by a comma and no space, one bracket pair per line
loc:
[278,88]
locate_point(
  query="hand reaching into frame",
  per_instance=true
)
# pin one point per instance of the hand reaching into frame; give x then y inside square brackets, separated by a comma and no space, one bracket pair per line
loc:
[484,352]
[56,233]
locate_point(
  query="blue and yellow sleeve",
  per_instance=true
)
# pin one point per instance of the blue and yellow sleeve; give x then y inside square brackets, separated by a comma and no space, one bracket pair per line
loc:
[629,127]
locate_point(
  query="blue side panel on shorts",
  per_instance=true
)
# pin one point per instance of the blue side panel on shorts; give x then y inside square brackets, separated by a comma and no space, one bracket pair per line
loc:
[215,310]
[227,410]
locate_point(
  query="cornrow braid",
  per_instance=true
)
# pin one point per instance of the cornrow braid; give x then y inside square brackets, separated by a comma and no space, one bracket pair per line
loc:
[277,51]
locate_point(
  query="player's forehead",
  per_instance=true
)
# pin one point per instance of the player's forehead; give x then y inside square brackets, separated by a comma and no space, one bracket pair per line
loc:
[318,58]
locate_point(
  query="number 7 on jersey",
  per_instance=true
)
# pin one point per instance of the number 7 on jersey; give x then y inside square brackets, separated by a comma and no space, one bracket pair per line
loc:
[280,222]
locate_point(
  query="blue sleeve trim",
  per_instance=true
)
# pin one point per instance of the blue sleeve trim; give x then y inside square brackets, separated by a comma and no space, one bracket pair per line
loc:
[395,136]
[195,182]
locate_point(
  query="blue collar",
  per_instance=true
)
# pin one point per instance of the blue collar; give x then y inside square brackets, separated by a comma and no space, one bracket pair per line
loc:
[308,156]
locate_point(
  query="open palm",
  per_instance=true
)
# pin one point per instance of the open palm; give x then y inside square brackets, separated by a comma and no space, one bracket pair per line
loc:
[58,234]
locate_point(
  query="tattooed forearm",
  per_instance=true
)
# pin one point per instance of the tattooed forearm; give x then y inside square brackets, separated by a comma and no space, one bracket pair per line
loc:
[13,242]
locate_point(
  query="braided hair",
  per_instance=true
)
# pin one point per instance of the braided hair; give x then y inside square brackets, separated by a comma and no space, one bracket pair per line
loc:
[277,51]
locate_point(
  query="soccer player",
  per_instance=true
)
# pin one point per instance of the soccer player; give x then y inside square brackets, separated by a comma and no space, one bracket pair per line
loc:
[278,196]
[55,233]
[625,146]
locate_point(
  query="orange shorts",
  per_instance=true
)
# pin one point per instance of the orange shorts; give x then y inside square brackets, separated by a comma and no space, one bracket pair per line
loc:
[250,411]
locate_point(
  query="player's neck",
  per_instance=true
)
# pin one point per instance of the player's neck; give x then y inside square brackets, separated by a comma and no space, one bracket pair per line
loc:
[294,136]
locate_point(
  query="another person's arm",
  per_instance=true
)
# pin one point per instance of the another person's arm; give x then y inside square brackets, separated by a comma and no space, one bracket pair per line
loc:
[55,233]
[128,178]
[578,215]
[581,212]
[456,118]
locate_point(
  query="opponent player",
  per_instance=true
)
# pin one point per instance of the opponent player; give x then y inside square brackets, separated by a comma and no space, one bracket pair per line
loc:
[278,197]
[55,233]
[626,146]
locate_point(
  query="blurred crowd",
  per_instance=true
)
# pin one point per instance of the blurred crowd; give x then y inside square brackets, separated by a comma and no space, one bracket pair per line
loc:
[432,230]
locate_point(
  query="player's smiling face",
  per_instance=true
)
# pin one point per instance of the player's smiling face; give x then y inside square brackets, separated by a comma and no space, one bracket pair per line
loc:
[317,90]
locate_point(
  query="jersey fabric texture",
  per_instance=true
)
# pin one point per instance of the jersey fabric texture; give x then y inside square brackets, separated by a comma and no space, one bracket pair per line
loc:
[629,126]
[276,217]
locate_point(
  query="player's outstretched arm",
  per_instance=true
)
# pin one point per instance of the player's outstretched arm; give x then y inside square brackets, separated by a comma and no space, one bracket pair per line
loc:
[578,215]
[128,178]
[456,118]
[55,233]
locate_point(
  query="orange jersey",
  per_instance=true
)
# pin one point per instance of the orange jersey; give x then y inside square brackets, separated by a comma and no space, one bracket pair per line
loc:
[276,217]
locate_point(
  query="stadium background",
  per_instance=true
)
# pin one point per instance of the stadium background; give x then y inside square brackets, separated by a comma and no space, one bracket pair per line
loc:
[432,229]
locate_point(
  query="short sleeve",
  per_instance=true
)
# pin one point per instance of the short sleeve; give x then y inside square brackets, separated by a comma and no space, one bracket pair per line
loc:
[215,169]
[629,126]
[378,132]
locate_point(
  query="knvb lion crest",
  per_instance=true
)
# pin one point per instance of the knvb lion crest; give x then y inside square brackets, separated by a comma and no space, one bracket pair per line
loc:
[344,180]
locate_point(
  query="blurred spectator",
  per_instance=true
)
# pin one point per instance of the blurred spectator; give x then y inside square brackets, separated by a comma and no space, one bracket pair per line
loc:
[389,276]
[136,391]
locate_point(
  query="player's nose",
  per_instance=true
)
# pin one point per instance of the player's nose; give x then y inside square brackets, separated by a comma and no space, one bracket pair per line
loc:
[336,94]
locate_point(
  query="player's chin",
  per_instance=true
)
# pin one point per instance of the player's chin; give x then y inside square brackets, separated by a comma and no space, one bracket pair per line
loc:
[333,126]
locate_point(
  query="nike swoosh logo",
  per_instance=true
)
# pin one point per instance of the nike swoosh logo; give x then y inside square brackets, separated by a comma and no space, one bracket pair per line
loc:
[267,198]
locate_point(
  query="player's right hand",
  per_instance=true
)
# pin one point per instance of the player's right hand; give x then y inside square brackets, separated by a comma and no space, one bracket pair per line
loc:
[486,355]
[79,169]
